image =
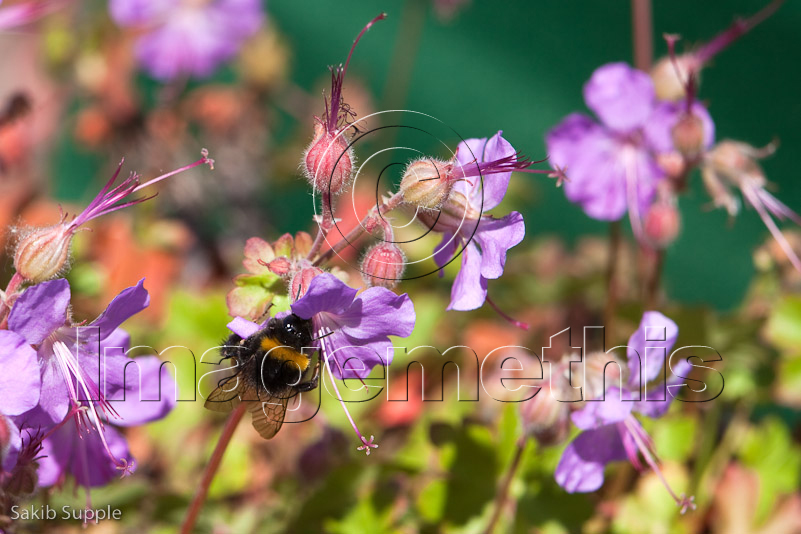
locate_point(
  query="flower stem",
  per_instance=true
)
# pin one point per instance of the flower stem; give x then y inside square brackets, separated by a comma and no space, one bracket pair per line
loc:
[503,490]
[9,296]
[611,275]
[642,33]
[390,204]
[739,28]
[199,499]
[657,260]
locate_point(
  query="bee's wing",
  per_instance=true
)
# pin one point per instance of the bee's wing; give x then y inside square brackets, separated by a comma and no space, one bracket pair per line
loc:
[268,414]
[226,396]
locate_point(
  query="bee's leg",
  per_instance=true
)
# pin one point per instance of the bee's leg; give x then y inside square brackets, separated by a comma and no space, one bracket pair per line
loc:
[313,383]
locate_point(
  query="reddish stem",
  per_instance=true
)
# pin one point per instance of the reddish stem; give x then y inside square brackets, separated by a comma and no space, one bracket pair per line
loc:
[739,28]
[642,34]
[211,469]
[348,239]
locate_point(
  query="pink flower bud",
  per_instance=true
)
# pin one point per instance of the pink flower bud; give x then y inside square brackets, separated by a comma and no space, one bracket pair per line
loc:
[545,417]
[688,136]
[662,224]
[672,163]
[383,265]
[328,162]
[427,183]
[300,282]
[43,252]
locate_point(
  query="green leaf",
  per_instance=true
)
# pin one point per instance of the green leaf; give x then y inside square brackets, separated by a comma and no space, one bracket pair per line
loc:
[784,324]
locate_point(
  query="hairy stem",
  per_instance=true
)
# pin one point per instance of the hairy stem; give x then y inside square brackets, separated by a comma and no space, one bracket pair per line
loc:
[347,239]
[503,490]
[211,469]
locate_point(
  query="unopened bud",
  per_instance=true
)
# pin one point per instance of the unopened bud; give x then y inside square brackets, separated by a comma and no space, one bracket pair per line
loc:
[383,265]
[427,183]
[545,417]
[662,224]
[670,85]
[688,135]
[43,252]
[328,162]
[301,281]
[672,163]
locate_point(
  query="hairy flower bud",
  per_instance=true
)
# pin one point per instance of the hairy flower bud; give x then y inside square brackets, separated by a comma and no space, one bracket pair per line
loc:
[43,252]
[300,282]
[545,417]
[662,224]
[328,162]
[688,135]
[427,183]
[383,265]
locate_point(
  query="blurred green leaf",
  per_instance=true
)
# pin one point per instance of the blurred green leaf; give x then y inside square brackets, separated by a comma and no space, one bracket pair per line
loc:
[784,324]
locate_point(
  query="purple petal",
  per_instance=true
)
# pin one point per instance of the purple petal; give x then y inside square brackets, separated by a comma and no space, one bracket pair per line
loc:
[20,380]
[649,346]
[148,395]
[596,413]
[56,453]
[139,12]
[496,236]
[40,310]
[349,359]
[127,304]
[377,313]
[597,179]
[9,450]
[658,130]
[445,250]
[54,399]
[656,407]
[326,293]
[581,468]
[621,96]
[469,289]
[564,139]
[242,327]
[90,463]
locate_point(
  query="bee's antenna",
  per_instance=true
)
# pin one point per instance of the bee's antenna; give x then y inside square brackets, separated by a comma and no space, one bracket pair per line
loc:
[324,335]
[266,312]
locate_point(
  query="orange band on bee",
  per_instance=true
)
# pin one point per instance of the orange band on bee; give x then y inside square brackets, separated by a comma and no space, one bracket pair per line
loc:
[281,352]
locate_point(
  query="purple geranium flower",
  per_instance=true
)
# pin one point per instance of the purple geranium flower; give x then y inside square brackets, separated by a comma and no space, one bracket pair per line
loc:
[610,432]
[352,329]
[463,222]
[73,381]
[188,37]
[83,452]
[611,164]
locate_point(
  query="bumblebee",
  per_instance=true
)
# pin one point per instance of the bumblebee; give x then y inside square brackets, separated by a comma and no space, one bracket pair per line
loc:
[271,369]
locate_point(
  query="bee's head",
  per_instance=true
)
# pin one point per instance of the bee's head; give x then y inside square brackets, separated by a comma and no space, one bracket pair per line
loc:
[298,330]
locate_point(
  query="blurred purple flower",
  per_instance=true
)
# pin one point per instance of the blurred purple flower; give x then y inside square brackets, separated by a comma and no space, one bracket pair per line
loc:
[188,37]
[485,167]
[611,164]
[609,430]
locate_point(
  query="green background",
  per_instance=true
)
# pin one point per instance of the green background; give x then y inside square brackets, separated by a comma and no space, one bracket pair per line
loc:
[520,66]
